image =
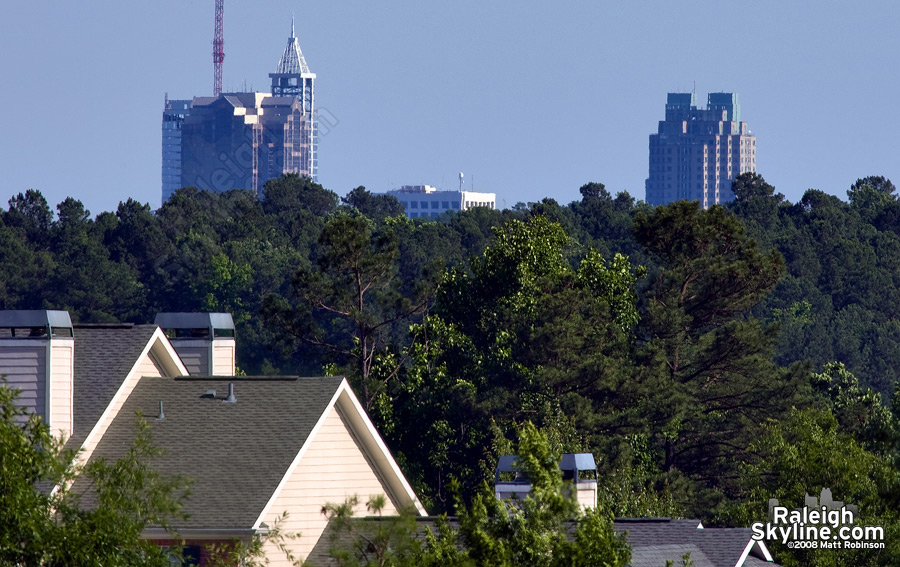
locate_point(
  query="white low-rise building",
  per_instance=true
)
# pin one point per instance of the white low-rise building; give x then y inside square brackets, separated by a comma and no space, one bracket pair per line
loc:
[424,201]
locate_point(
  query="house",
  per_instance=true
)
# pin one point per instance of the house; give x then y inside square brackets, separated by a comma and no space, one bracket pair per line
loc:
[654,541]
[578,469]
[255,447]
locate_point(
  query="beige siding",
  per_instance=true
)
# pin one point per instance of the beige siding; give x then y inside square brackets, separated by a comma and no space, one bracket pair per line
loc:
[62,371]
[25,368]
[195,358]
[587,494]
[223,357]
[333,469]
[148,367]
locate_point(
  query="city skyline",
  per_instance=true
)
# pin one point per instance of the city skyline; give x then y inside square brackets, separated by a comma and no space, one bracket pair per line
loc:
[241,140]
[529,100]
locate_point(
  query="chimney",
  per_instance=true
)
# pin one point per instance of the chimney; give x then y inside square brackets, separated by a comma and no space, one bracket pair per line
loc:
[204,341]
[578,470]
[37,356]
[581,471]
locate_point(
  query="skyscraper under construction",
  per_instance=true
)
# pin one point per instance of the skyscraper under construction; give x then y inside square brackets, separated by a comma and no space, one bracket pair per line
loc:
[241,140]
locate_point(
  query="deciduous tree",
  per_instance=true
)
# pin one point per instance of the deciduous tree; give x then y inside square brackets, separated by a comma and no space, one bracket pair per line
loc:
[97,523]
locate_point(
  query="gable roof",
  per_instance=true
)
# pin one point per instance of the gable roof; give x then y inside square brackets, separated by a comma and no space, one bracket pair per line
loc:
[657,531]
[731,546]
[104,355]
[237,454]
[657,555]
[106,358]
[721,547]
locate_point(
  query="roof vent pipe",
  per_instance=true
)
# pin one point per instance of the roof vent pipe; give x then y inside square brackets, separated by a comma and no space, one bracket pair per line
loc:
[230,399]
[162,414]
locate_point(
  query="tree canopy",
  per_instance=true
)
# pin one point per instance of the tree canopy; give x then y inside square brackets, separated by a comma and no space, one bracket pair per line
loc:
[697,353]
[45,522]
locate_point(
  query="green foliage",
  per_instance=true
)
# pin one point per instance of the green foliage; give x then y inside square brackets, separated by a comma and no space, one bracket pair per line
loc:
[547,528]
[349,303]
[30,214]
[537,530]
[685,561]
[381,542]
[668,379]
[376,207]
[225,288]
[252,553]
[805,453]
[99,521]
[523,336]
[859,411]
[706,380]
[748,186]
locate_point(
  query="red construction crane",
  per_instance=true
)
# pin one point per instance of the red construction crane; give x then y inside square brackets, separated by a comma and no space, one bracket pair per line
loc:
[218,48]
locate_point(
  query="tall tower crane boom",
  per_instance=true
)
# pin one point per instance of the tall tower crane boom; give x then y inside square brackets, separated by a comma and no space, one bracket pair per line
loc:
[218,48]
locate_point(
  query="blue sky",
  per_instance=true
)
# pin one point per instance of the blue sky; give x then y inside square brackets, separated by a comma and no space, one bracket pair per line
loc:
[530,99]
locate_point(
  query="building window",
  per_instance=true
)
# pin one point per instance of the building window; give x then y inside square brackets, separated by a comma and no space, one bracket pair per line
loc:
[424,204]
[445,204]
[434,205]
[414,205]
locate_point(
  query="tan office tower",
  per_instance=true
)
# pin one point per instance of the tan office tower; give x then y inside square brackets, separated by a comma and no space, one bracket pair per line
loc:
[698,152]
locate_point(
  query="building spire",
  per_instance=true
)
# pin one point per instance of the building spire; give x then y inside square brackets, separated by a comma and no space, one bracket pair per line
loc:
[292,60]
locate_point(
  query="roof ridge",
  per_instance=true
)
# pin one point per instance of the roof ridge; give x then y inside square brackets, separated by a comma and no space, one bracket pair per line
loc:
[240,378]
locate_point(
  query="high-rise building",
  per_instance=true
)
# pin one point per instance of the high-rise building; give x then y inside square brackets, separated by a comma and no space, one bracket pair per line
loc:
[174,113]
[421,201]
[241,140]
[293,78]
[697,152]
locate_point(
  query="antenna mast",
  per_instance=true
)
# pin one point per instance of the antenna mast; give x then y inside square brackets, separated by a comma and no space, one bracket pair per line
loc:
[218,48]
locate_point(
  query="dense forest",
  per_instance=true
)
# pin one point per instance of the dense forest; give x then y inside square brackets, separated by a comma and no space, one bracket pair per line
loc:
[710,359]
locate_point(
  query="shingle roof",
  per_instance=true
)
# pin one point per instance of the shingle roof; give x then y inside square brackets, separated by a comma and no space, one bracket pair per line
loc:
[657,531]
[653,541]
[722,547]
[103,357]
[657,555]
[756,562]
[237,453]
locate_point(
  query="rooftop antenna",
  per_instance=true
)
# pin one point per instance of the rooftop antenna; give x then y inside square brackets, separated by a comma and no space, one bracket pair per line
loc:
[218,48]
[460,180]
